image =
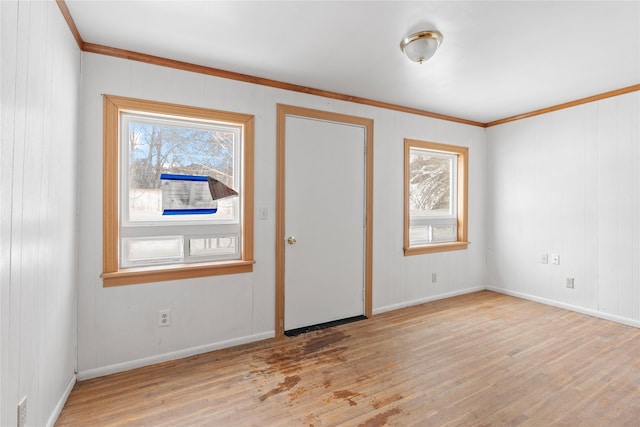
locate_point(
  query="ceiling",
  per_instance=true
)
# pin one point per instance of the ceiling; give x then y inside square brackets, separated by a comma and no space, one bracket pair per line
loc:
[498,58]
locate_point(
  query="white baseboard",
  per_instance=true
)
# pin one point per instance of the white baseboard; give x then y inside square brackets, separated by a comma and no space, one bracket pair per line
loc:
[426,299]
[125,366]
[578,309]
[63,399]
[180,354]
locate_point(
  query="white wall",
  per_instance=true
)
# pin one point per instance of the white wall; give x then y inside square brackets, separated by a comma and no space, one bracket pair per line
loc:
[40,76]
[118,326]
[568,182]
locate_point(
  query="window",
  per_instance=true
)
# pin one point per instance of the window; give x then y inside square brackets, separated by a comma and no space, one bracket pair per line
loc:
[435,197]
[162,163]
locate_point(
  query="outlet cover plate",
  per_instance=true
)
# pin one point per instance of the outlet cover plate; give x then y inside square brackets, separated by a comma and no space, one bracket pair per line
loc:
[164,317]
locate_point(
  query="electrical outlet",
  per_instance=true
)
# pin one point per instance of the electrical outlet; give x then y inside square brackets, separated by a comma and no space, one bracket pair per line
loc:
[22,412]
[434,277]
[570,282]
[555,259]
[164,317]
[544,259]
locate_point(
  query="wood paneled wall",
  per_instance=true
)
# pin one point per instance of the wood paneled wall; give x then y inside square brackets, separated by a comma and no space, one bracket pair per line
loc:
[568,182]
[40,73]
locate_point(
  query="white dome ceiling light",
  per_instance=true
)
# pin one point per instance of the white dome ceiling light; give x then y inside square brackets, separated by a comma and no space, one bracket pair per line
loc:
[422,45]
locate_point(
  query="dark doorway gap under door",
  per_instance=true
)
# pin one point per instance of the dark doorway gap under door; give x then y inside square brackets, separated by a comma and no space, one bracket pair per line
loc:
[319,326]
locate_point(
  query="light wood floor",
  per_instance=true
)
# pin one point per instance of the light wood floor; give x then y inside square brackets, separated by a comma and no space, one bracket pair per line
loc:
[477,359]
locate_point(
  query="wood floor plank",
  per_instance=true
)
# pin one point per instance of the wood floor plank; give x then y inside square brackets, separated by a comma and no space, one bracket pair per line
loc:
[477,359]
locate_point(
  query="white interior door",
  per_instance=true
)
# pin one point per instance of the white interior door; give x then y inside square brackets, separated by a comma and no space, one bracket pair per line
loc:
[324,213]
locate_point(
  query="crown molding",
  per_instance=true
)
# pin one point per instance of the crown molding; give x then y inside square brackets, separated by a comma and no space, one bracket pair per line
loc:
[593,98]
[201,69]
[186,66]
[72,25]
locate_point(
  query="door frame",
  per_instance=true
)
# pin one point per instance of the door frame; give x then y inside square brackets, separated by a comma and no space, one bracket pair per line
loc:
[288,110]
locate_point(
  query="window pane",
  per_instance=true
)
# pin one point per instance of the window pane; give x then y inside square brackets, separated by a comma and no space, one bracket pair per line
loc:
[430,184]
[157,146]
[427,233]
[419,235]
[443,233]
[152,250]
[213,246]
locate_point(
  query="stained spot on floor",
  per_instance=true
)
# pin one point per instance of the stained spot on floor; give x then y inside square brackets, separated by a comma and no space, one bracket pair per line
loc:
[294,394]
[320,347]
[311,419]
[320,342]
[346,395]
[286,385]
[380,419]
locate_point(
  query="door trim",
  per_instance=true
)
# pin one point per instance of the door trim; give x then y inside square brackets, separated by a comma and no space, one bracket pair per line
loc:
[288,110]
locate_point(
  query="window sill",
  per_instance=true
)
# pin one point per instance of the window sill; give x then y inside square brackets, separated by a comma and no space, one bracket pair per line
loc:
[435,247]
[131,276]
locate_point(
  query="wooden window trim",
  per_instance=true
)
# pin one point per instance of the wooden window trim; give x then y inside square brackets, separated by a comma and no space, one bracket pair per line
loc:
[112,274]
[463,184]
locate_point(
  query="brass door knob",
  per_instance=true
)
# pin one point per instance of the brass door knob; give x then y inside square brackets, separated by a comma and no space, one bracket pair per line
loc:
[291,240]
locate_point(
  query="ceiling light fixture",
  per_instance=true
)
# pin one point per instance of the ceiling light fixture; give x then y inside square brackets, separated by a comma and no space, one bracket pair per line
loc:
[422,45]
